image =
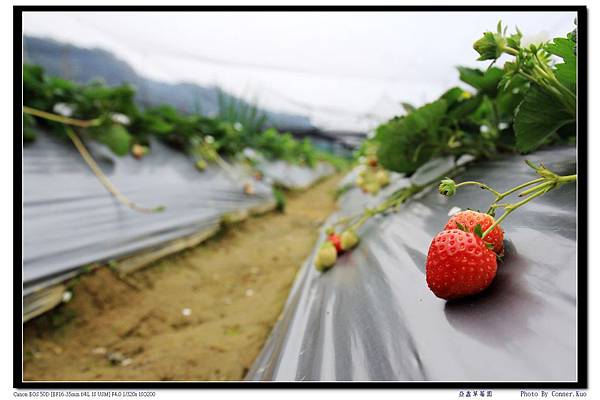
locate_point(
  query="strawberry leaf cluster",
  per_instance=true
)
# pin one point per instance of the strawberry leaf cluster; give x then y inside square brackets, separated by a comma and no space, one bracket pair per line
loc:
[122,126]
[458,122]
[108,106]
[528,103]
[548,110]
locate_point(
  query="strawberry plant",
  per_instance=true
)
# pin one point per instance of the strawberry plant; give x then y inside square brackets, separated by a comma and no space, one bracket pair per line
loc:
[546,182]
[462,259]
[104,107]
[114,119]
[459,122]
[548,110]
[528,103]
[110,116]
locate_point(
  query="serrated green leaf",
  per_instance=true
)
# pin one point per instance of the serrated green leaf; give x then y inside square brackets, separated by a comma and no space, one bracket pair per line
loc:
[566,72]
[563,48]
[477,230]
[510,96]
[537,118]
[465,107]
[404,142]
[116,137]
[485,82]
[461,227]
[452,95]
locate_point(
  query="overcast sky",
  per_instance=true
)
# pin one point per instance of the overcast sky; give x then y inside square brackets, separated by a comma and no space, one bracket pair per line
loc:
[345,70]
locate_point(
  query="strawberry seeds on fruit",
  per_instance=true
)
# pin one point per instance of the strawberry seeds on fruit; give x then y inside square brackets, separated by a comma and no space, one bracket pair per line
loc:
[459,264]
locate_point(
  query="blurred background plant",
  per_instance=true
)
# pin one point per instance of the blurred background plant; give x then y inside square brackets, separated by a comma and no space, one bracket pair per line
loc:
[114,119]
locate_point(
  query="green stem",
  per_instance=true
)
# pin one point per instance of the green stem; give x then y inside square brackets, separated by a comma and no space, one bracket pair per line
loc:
[396,199]
[551,83]
[528,76]
[344,220]
[495,204]
[112,189]
[510,208]
[510,50]
[521,186]
[481,185]
[417,151]
[548,183]
[59,118]
[549,74]
[543,73]
[535,188]
[567,178]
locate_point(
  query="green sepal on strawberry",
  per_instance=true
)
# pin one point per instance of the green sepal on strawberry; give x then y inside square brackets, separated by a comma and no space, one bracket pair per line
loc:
[469,220]
[459,264]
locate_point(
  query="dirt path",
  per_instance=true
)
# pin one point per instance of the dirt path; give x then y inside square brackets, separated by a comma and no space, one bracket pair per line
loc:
[201,315]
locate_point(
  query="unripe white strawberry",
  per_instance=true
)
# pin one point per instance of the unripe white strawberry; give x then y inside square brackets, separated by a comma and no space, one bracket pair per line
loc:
[326,257]
[371,187]
[349,239]
[383,178]
[248,188]
[139,150]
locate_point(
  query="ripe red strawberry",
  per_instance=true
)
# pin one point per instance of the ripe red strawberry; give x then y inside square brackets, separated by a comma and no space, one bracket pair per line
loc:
[470,219]
[459,264]
[335,239]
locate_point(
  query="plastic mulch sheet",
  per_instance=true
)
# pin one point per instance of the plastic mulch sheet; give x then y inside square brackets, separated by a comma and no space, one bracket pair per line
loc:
[289,176]
[295,176]
[71,220]
[373,318]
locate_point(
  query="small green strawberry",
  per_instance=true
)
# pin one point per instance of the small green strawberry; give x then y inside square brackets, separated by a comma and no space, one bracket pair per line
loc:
[201,165]
[326,257]
[349,239]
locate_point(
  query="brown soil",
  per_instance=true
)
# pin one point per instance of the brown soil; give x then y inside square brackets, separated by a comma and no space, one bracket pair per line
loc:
[203,314]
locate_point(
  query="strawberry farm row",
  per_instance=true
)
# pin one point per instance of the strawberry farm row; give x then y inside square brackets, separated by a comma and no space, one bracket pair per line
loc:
[110,115]
[453,256]
[106,180]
